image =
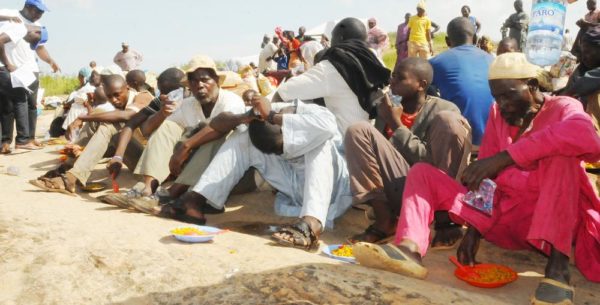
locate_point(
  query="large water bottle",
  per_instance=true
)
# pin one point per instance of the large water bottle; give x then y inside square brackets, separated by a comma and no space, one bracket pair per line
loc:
[545,36]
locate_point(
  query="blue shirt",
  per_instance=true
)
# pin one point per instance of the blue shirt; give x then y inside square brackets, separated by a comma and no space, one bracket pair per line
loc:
[461,75]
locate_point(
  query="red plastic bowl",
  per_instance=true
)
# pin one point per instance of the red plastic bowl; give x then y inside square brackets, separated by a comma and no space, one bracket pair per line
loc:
[464,275]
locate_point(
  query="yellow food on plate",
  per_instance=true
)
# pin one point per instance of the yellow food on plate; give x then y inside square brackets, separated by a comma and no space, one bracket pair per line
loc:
[344,251]
[188,231]
[491,275]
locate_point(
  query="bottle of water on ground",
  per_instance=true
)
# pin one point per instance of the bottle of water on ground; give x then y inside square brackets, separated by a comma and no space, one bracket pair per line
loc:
[545,36]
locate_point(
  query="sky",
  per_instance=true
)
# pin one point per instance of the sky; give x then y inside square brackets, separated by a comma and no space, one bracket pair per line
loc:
[169,33]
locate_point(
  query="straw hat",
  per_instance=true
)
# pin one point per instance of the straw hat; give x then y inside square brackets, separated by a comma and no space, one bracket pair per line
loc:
[204,62]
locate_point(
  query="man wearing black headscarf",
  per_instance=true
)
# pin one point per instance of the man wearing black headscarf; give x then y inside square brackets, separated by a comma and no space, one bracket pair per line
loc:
[346,76]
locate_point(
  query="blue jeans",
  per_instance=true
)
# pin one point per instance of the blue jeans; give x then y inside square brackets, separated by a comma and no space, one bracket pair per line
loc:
[14,107]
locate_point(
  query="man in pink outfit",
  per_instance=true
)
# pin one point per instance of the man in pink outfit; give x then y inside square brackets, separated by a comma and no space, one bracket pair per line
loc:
[532,148]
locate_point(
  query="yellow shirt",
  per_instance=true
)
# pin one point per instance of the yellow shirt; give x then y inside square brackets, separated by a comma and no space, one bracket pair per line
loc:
[418,28]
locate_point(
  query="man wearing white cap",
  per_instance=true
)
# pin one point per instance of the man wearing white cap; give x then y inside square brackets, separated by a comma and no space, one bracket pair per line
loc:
[532,148]
[31,13]
[128,59]
[186,122]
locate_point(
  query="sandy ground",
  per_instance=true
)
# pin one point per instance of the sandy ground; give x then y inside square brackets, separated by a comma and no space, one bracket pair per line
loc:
[58,249]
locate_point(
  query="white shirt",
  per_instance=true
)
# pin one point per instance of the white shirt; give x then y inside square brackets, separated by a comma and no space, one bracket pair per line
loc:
[323,80]
[190,113]
[22,54]
[268,51]
[309,50]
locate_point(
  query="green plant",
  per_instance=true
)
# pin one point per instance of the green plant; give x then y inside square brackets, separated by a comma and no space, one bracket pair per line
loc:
[58,85]
[390,56]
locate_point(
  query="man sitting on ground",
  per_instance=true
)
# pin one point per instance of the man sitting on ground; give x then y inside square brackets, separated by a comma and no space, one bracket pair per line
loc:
[186,124]
[296,150]
[422,128]
[98,135]
[344,78]
[168,81]
[532,147]
[136,80]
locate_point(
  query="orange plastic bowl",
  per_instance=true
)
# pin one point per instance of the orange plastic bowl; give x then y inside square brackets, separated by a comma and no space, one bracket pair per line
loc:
[508,275]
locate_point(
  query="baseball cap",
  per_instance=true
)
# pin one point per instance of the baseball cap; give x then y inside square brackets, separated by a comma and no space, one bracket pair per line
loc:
[39,4]
[43,38]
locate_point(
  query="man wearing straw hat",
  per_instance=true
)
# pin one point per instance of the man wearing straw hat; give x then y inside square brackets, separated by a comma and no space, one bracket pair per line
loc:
[533,146]
[185,122]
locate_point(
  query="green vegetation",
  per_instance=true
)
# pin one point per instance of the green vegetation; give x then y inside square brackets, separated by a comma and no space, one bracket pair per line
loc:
[389,56]
[58,85]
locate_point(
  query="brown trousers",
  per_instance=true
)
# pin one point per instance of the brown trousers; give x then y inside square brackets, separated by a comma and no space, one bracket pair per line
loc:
[378,171]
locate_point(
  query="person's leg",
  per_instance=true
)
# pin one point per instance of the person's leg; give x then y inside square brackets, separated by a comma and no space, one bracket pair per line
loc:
[21,116]
[198,162]
[7,121]
[377,175]
[154,162]
[215,184]
[412,49]
[448,148]
[427,190]
[559,196]
[93,152]
[32,109]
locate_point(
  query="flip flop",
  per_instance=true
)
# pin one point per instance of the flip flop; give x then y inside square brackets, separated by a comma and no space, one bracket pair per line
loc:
[382,237]
[42,185]
[551,292]
[144,204]
[389,258]
[173,211]
[118,200]
[303,237]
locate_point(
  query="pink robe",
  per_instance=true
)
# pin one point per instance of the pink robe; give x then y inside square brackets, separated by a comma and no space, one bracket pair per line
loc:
[545,199]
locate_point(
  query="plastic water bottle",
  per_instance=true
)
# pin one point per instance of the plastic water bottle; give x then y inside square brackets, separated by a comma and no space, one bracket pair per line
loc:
[545,36]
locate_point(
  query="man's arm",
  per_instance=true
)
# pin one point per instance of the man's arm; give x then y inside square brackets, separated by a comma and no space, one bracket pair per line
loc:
[218,127]
[435,27]
[42,52]
[4,39]
[116,163]
[478,24]
[115,116]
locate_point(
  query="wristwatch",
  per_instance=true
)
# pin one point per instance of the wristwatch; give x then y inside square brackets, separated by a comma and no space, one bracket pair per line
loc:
[270,117]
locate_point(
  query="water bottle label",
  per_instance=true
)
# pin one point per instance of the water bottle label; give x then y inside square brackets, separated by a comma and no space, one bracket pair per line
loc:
[548,15]
[545,37]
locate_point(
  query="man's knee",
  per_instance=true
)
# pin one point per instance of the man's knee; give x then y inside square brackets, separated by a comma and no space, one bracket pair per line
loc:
[451,124]
[358,131]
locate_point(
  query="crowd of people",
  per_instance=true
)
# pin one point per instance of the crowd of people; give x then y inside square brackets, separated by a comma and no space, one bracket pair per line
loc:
[329,127]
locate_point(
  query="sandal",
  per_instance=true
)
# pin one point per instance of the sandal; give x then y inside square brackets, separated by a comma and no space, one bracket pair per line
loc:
[382,237]
[303,236]
[118,200]
[389,258]
[452,227]
[551,292]
[57,172]
[143,204]
[56,185]
[177,211]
